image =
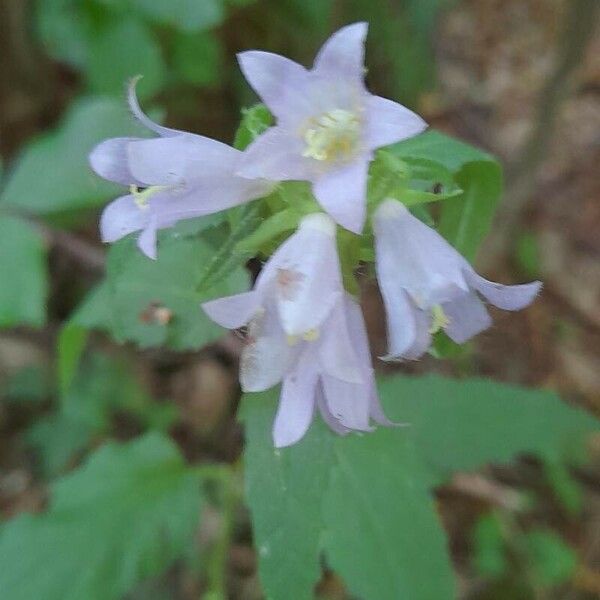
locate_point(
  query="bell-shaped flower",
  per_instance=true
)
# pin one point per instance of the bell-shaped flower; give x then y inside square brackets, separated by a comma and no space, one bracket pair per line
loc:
[328,124]
[175,176]
[303,330]
[427,285]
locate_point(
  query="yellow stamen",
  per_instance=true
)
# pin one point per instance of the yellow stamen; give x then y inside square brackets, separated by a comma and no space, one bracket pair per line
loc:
[312,335]
[141,197]
[292,340]
[439,319]
[333,136]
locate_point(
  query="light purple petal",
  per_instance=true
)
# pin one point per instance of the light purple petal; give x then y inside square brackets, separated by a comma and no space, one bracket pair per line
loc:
[388,122]
[296,405]
[147,240]
[109,160]
[337,356]
[266,357]
[305,275]
[416,257]
[507,297]
[343,54]
[134,105]
[180,159]
[281,83]
[122,217]
[276,155]
[348,402]
[235,311]
[467,316]
[333,423]
[342,192]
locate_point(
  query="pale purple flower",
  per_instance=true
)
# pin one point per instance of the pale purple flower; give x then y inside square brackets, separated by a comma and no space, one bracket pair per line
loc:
[305,331]
[175,176]
[427,285]
[328,124]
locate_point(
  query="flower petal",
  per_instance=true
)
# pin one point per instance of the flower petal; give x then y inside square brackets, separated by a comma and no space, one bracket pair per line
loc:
[235,311]
[348,402]
[180,159]
[305,275]
[281,83]
[267,357]
[122,217]
[276,155]
[147,240]
[337,355]
[333,423]
[388,122]
[507,297]
[134,106]
[343,54]
[342,192]
[467,316]
[416,256]
[109,160]
[296,405]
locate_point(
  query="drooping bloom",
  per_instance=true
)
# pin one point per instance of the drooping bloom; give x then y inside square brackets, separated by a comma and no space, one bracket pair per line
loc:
[328,124]
[175,176]
[303,330]
[427,285]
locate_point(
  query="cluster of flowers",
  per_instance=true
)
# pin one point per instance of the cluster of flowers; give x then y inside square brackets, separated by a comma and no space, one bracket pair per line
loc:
[303,328]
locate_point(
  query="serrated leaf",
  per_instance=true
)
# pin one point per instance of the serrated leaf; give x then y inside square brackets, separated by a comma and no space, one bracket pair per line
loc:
[123,49]
[52,173]
[462,424]
[23,273]
[382,532]
[284,490]
[139,287]
[125,515]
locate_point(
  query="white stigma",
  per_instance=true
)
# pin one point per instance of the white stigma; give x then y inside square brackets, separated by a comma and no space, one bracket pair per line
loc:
[333,136]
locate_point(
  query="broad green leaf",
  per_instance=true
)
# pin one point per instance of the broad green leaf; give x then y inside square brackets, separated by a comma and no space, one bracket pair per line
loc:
[23,273]
[284,491]
[488,546]
[552,561]
[127,514]
[269,229]
[382,532]
[52,175]
[197,57]
[185,15]
[93,313]
[157,302]
[121,50]
[462,424]
[64,30]
[466,220]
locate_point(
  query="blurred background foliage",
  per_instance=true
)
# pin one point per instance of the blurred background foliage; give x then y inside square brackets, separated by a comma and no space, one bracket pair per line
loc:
[519,78]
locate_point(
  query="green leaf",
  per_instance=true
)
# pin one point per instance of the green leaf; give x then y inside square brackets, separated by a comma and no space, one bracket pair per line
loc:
[466,220]
[268,230]
[185,15]
[284,490]
[488,540]
[255,120]
[124,516]
[198,57]
[24,278]
[64,30]
[124,49]
[382,533]
[53,175]
[29,385]
[552,561]
[139,287]
[93,313]
[462,424]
